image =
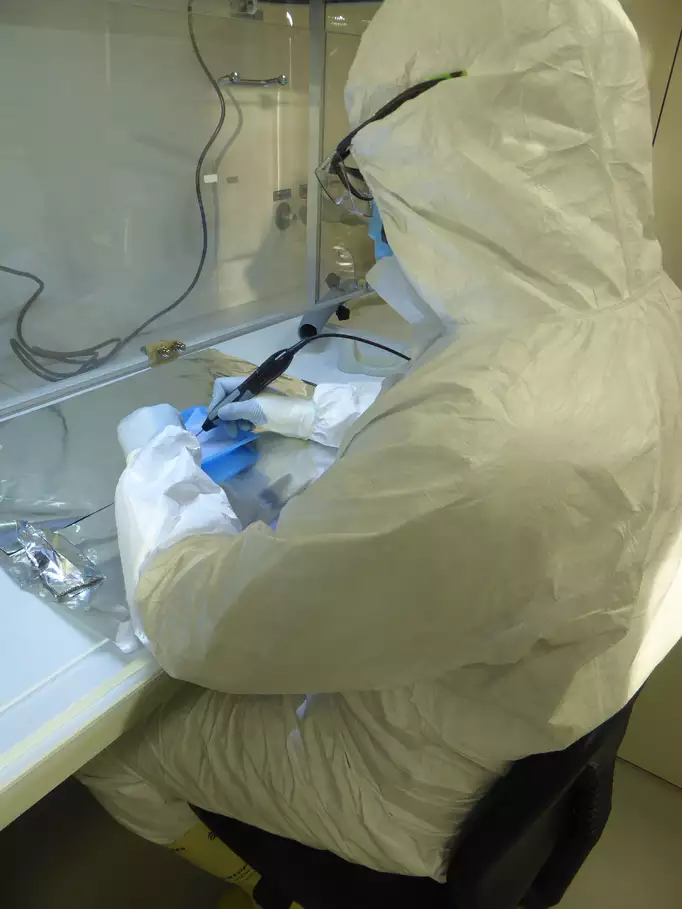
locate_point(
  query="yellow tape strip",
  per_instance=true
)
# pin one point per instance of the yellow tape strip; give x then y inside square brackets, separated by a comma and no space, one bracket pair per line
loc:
[21,748]
[41,684]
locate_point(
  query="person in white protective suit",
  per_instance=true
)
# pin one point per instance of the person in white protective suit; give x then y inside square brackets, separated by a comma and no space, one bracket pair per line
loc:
[491,567]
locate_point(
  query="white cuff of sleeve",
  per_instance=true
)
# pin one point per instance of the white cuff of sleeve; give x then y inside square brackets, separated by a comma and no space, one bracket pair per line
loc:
[290,417]
[337,407]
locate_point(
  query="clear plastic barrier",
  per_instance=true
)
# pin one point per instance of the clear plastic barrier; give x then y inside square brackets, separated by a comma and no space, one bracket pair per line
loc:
[156,162]
[106,110]
[346,252]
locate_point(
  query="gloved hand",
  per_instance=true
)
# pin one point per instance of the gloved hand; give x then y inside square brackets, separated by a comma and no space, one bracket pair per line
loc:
[140,426]
[293,417]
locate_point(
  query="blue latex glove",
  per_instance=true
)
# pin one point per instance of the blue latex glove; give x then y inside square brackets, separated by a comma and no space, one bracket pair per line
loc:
[376,233]
[294,417]
[225,450]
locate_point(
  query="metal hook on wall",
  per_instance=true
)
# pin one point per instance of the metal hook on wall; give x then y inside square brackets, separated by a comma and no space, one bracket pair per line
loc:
[236,79]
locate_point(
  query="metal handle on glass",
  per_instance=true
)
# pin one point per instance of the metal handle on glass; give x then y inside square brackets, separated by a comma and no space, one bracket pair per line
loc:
[236,79]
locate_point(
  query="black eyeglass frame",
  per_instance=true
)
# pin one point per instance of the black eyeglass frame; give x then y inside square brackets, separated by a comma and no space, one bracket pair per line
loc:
[343,149]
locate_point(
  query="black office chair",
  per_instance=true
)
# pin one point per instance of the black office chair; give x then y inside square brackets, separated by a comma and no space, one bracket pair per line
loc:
[523,843]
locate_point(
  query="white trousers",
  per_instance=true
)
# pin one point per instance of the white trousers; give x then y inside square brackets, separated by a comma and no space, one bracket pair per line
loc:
[287,764]
[209,749]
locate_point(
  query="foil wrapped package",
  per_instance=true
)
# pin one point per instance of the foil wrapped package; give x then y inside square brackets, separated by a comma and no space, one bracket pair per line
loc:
[61,567]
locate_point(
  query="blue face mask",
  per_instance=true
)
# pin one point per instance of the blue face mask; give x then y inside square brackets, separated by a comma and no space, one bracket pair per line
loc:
[377,233]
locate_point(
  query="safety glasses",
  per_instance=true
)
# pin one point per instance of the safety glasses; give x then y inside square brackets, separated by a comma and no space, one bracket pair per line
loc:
[345,185]
[342,182]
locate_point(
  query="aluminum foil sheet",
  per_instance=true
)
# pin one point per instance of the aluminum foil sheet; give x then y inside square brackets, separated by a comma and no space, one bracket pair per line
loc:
[61,567]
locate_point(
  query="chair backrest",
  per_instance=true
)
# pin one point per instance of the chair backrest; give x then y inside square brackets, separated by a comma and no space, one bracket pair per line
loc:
[528,836]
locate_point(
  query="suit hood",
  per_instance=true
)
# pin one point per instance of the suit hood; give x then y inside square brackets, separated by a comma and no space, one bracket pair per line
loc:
[523,189]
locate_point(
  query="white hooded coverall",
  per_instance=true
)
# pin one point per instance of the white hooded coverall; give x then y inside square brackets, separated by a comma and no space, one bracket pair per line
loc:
[491,568]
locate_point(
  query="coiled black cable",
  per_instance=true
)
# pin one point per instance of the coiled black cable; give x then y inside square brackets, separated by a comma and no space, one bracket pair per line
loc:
[89,358]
